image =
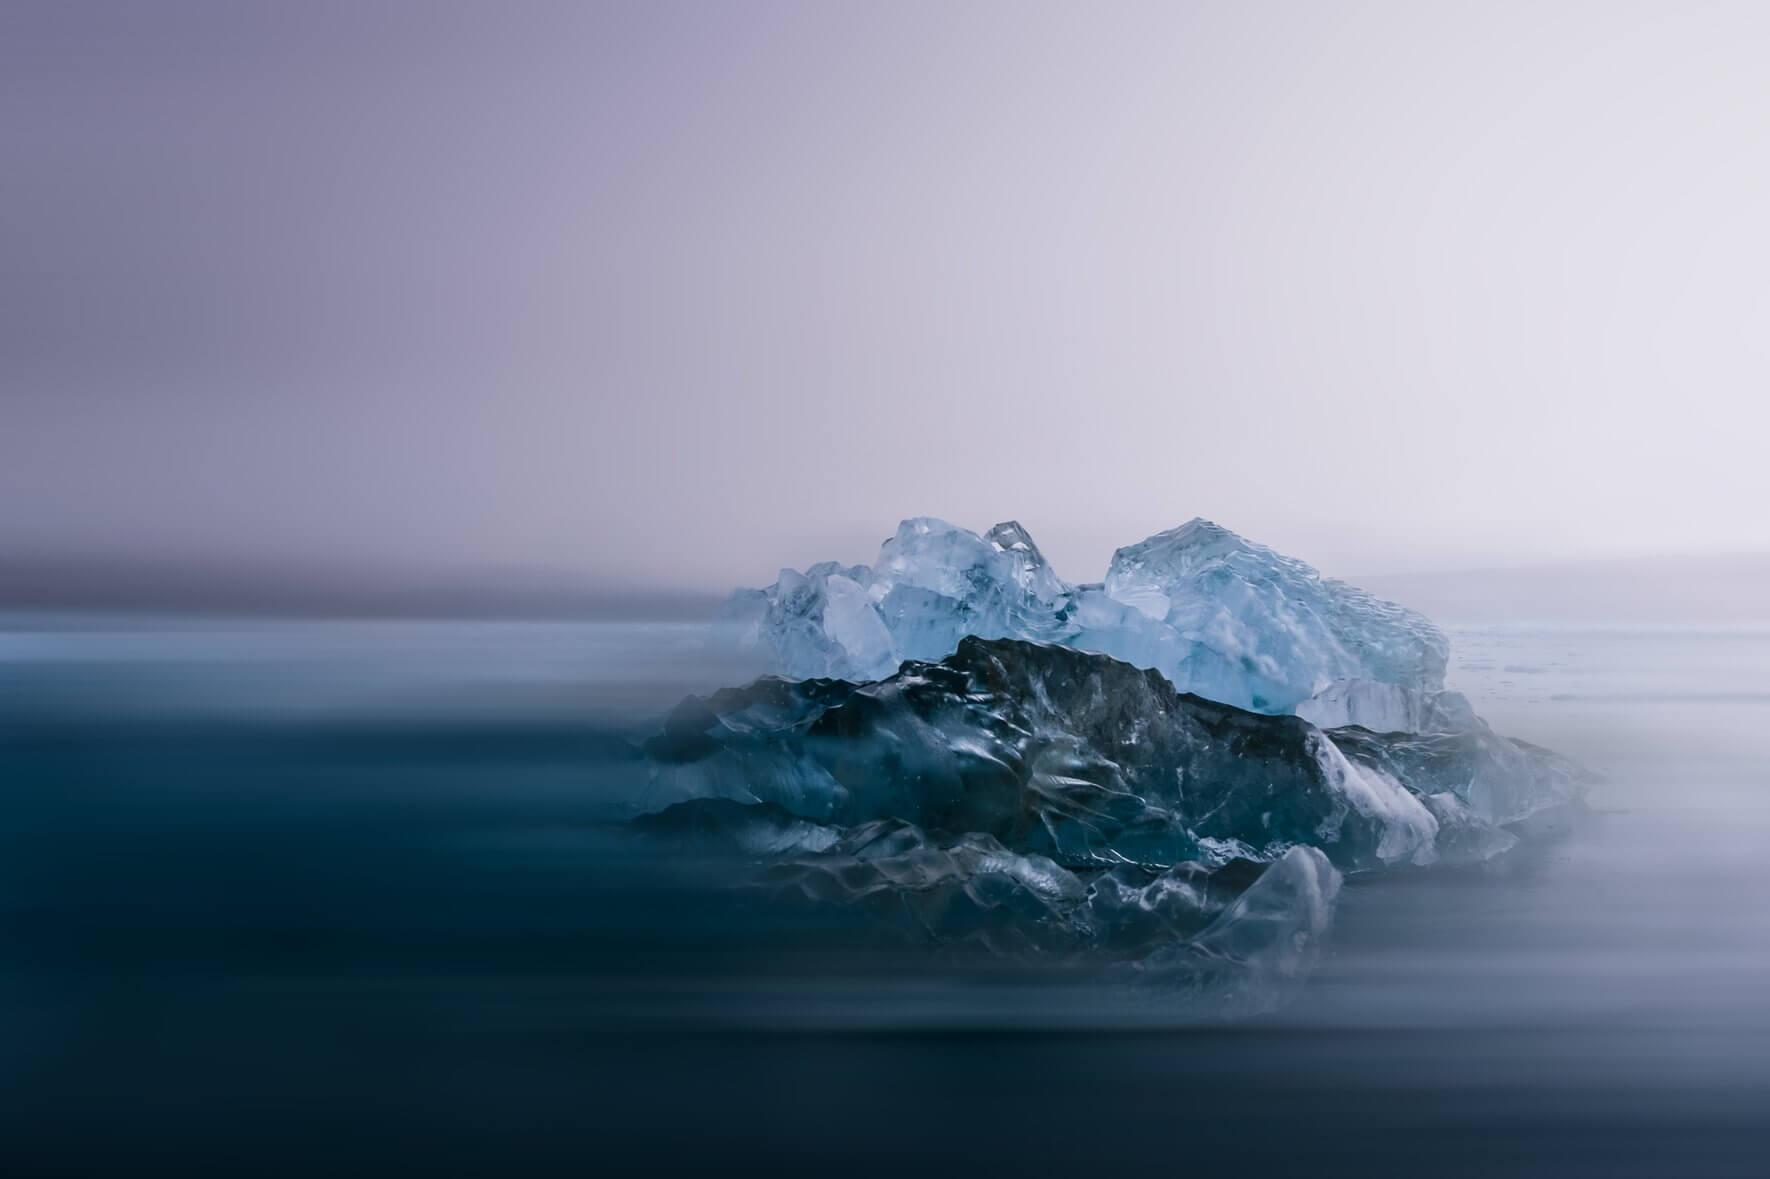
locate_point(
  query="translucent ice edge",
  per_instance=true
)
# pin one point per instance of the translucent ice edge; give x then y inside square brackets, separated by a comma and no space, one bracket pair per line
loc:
[1216,614]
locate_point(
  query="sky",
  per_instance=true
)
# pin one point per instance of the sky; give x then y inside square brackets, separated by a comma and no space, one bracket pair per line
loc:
[679,294]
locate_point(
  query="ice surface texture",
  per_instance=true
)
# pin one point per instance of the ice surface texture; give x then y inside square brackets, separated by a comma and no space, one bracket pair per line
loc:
[1032,801]
[1092,763]
[1216,614]
[1234,938]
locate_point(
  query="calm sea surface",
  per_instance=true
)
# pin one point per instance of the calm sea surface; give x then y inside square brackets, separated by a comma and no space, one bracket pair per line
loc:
[285,897]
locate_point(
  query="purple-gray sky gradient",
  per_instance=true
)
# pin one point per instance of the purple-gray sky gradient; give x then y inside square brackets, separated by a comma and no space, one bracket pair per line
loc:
[684,293]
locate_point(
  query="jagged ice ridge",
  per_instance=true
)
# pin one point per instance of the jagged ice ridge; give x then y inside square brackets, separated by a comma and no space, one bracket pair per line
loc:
[1216,614]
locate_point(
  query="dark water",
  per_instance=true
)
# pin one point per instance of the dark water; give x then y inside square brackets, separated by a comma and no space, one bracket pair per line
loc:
[285,899]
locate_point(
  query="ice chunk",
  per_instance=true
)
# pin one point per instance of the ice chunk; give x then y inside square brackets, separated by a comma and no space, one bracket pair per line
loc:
[1463,836]
[1382,708]
[1408,828]
[1081,759]
[1270,632]
[804,637]
[1498,780]
[1040,804]
[854,626]
[1278,923]
[1237,928]
[1260,949]
[1216,614]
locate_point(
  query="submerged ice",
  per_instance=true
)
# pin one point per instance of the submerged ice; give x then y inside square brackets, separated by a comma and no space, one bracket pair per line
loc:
[1236,937]
[1216,614]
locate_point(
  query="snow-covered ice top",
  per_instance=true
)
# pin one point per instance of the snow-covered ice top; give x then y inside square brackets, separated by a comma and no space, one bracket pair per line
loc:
[1216,614]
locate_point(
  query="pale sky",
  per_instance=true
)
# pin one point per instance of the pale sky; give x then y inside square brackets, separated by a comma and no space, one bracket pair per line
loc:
[680,294]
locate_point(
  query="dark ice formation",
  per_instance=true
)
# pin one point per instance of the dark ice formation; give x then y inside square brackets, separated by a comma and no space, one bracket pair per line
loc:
[1093,763]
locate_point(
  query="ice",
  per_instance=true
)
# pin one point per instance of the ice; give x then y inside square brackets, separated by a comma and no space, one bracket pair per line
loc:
[1463,836]
[746,829]
[1272,634]
[1497,779]
[1273,932]
[1216,614]
[1089,762]
[1038,804]
[1166,770]
[1409,830]
[1240,935]
[1380,707]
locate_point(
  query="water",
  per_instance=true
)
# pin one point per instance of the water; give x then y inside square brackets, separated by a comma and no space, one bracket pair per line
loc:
[277,897]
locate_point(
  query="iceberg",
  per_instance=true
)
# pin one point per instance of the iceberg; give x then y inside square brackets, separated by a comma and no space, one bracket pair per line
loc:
[1034,804]
[1093,764]
[1217,615]
[1164,772]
